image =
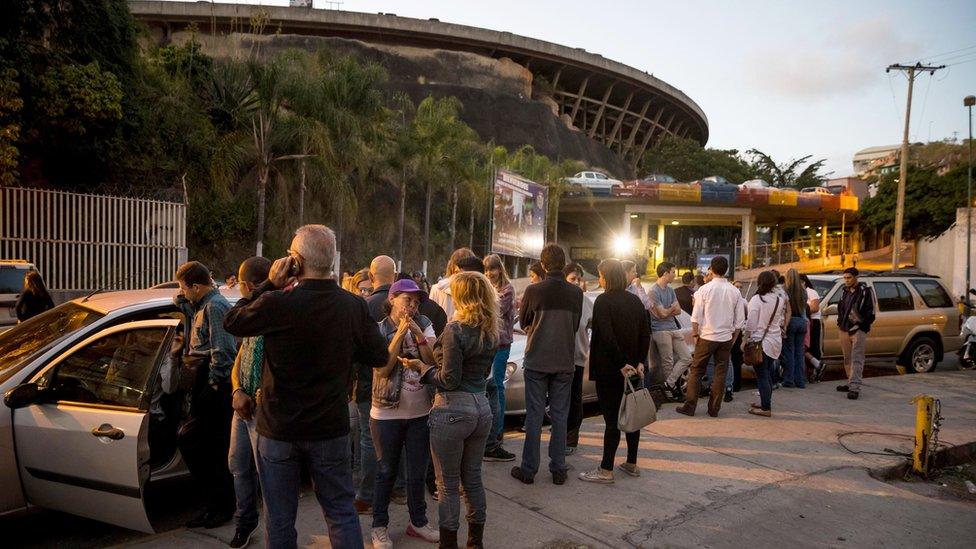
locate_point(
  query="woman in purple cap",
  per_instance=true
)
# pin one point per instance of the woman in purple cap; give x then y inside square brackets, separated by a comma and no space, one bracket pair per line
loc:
[398,416]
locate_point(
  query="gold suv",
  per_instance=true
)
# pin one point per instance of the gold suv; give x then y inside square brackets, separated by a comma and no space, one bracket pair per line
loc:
[916,322]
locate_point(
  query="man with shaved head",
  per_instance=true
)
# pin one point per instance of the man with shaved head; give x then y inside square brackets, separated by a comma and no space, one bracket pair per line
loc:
[382,273]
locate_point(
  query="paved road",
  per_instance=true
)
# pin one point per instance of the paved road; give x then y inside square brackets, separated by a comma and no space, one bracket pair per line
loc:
[737,466]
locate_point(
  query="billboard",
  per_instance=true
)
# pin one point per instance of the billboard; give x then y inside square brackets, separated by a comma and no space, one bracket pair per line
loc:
[519,216]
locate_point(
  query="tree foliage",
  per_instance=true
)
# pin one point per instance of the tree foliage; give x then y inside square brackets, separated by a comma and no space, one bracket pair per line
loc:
[687,160]
[931,201]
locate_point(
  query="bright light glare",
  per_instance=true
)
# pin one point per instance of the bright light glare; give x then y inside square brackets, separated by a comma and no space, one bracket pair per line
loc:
[622,246]
[675,222]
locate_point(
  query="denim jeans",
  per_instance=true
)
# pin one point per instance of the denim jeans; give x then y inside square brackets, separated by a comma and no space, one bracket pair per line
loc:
[243,448]
[498,373]
[367,456]
[794,366]
[763,382]
[280,465]
[495,435]
[729,373]
[459,426]
[558,388]
[575,418]
[393,439]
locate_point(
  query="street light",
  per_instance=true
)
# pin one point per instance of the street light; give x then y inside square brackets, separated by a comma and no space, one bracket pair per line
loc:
[968,102]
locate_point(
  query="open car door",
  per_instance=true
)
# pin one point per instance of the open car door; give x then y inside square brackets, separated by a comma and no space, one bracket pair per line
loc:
[83,448]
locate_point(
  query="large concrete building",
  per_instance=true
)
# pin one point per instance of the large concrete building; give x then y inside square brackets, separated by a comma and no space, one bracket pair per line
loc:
[565,102]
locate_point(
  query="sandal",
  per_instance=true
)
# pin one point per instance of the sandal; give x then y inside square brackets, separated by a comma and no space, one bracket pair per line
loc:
[760,412]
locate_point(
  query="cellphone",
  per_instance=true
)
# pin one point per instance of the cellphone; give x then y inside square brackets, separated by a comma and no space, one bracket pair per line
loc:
[296,266]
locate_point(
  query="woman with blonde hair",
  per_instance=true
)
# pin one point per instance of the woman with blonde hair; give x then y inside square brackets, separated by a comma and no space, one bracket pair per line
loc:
[794,367]
[461,417]
[498,276]
[359,284]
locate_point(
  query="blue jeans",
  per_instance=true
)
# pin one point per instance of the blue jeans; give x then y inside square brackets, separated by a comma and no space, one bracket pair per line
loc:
[459,426]
[496,398]
[729,374]
[393,438]
[280,464]
[367,453]
[558,387]
[243,446]
[764,383]
[794,366]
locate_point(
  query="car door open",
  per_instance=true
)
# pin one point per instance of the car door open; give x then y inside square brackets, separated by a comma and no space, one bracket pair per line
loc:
[83,448]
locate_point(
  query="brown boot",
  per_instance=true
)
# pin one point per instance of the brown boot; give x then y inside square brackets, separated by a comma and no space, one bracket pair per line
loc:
[448,539]
[476,535]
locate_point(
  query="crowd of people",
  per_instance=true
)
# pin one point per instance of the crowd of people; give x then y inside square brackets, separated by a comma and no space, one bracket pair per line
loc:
[273,377]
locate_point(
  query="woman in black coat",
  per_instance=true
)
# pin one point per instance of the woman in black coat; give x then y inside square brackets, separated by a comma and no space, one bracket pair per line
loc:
[618,348]
[34,300]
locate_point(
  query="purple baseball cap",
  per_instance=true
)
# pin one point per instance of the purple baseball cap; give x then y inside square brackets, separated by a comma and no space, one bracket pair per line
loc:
[406,286]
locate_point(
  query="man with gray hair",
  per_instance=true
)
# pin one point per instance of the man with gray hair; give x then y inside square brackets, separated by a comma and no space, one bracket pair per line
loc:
[313,330]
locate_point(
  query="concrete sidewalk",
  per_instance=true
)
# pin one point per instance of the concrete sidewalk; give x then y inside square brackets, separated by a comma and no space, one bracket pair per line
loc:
[738,480]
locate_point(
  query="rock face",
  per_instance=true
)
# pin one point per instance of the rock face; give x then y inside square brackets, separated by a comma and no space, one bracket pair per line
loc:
[496,94]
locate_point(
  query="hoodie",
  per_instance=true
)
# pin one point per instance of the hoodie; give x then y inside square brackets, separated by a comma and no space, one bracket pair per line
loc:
[441,295]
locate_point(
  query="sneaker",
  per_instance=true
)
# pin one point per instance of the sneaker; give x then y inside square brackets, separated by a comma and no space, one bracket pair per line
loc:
[789,385]
[559,478]
[399,497]
[760,412]
[499,454]
[518,473]
[242,537]
[381,539]
[842,388]
[630,468]
[570,450]
[598,475]
[424,532]
[853,395]
[198,521]
[777,385]
[818,371]
[362,507]
[674,392]
[728,395]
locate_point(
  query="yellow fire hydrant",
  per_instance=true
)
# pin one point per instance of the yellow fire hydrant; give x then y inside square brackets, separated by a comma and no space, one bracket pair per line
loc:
[924,414]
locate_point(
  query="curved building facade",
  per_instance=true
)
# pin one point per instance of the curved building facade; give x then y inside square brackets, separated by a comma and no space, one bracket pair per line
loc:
[594,103]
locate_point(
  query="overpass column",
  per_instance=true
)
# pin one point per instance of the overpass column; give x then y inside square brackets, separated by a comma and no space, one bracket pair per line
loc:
[643,237]
[659,253]
[747,240]
[823,239]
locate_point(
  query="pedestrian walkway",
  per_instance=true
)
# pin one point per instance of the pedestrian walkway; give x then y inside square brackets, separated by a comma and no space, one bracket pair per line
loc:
[734,481]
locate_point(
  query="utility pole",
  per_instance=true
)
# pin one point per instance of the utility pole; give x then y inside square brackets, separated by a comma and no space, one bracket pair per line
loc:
[968,102]
[903,170]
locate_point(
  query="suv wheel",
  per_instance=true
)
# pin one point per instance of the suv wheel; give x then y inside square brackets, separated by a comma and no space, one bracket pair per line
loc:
[921,355]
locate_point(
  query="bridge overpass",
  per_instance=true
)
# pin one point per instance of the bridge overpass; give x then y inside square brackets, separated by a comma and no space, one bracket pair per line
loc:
[774,225]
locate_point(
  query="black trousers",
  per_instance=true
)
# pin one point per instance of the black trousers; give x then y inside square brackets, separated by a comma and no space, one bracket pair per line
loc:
[736,358]
[610,392]
[575,409]
[204,441]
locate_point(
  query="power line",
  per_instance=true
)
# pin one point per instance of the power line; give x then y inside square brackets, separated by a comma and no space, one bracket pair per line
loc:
[925,101]
[948,52]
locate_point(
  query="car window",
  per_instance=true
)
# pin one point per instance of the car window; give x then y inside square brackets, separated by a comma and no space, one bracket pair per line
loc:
[600,176]
[111,370]
[823,286]
[933,294]
[11,280]
[590,175]
[25,341]
[835,298]
[893,296]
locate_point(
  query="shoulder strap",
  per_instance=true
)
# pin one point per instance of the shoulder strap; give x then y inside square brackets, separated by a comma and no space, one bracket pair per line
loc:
[771,317]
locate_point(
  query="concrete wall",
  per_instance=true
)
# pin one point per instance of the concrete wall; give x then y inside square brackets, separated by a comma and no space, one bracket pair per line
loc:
[945,255]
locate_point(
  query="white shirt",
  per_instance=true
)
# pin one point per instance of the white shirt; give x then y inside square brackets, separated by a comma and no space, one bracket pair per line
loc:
[718,310]
[583,333]
[811,295]
[440,294]
[760,315]
[637,289]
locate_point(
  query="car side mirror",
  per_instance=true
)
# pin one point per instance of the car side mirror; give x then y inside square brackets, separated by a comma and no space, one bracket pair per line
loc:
[830,309]
[22,395]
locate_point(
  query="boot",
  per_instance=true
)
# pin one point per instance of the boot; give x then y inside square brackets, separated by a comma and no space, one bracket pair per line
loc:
[448,539]
[476,534]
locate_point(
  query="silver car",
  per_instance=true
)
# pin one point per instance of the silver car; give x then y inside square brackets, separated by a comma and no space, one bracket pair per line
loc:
[81,383]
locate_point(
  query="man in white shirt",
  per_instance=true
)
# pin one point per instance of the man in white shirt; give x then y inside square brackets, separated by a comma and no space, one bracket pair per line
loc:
[440,293]
[716,320]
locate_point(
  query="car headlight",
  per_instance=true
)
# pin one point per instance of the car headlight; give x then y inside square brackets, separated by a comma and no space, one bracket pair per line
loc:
[510,370]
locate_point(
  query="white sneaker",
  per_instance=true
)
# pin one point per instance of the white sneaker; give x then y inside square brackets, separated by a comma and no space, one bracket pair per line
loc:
[381,539]
[424,532]
[597,475]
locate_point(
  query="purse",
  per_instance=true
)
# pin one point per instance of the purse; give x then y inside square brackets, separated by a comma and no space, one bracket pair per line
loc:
[752,352]
[637,409]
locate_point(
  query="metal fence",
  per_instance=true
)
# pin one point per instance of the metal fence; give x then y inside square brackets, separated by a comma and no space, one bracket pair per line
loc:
[82,242]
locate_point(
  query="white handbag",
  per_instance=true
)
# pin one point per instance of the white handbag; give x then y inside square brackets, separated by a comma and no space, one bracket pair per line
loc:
[637,408]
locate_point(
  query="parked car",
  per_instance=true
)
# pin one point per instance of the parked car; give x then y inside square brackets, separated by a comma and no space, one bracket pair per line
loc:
[917,321]
[717,179]
[815,190]
[12,273]
[78,382]
[597,182]
[755,184]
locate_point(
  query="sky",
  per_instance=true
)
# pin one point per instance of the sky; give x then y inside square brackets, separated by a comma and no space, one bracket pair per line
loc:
[790,78]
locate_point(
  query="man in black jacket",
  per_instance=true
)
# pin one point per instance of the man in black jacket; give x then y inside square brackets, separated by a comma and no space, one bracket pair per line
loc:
[550,315]
[312,333]
[855,314]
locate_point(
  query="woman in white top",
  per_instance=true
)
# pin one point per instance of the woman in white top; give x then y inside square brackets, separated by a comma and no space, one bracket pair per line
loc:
[765,322]
[398,416]
[814,353]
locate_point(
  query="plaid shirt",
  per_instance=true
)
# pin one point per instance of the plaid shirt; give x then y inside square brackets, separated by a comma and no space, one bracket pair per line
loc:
[206,335]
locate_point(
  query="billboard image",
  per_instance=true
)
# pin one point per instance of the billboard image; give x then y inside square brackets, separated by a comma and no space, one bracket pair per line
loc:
[519,217]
